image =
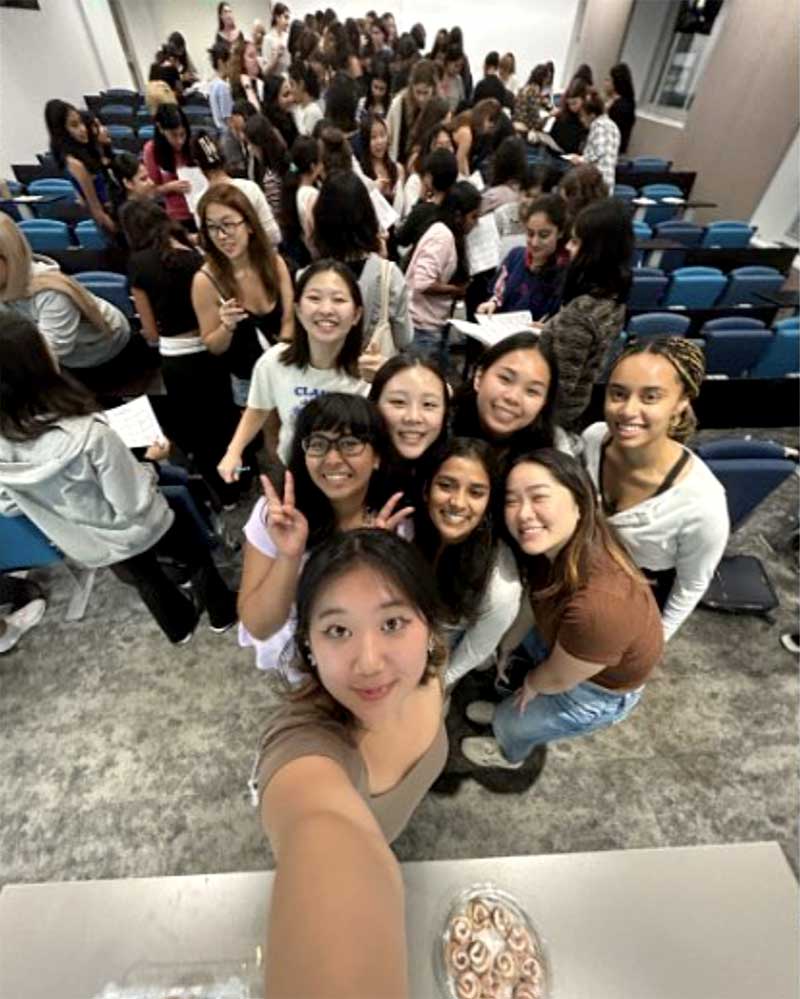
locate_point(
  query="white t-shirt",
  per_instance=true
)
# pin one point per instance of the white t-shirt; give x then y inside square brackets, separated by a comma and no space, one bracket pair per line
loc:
[307,117]
[684,528]
[288,388]
[258,200]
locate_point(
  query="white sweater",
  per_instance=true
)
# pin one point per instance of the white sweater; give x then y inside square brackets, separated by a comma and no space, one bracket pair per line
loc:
[497,613]
[686,528]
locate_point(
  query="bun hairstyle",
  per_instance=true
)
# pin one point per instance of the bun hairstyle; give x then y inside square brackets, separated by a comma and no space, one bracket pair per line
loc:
[401,566]
[689,363]
[335,150]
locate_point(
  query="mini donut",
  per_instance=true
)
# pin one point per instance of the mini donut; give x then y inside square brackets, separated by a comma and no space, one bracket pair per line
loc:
[458,958]
[519,940]
[479,957]
[505,964]
[502,920]
[468,986]
[530,969]
[527,990]
[490,986]
[479,914]
[461,930]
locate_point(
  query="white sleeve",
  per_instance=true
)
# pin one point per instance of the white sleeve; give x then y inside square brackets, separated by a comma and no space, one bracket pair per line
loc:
[265,216]
[497,613]
[58,319]
[700,547]
[399,318]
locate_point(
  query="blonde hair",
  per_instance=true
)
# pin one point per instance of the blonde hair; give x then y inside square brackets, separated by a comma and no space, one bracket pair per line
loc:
[22,282]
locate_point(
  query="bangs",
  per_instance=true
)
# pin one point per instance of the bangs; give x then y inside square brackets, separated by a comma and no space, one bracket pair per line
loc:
[342,414]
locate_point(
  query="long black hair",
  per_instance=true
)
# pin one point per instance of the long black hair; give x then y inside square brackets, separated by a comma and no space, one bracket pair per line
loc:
[170,116]
[539,434]
[344,195]
[304,156]
[35,393]
[146,224]
[342,413]
[279,117]
[602,266]
[298,351]
[368,122]
[462,570]
[62,144]
[460,200]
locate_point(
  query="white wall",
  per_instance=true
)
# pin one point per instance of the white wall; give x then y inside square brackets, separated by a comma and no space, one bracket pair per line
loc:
[51,53]
[642,40]
[533,31]
[778,207]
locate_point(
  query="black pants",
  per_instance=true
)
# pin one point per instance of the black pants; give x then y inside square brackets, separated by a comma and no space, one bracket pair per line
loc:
[174,611]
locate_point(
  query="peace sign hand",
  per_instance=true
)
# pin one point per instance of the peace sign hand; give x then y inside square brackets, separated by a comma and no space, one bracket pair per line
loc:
[287,526]
[386,519]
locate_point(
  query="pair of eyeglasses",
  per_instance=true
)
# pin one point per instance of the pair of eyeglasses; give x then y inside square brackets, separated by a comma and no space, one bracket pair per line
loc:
[318,446]
[223,228]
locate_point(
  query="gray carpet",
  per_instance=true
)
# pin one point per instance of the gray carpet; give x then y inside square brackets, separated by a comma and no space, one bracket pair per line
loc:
[122,756]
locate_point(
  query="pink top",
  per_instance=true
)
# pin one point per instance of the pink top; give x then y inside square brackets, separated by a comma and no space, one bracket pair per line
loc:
[176,205]
[435,260]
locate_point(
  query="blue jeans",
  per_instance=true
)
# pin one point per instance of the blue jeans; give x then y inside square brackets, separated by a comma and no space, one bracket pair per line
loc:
[433,344]
[586,708]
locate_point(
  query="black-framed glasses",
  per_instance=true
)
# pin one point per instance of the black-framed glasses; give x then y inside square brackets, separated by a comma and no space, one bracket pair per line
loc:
[227,228]
[318,445]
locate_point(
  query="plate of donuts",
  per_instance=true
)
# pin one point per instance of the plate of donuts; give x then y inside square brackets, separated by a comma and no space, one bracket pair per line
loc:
[489,949]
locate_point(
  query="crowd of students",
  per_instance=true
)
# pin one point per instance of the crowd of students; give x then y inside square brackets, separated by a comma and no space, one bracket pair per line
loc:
[414,523]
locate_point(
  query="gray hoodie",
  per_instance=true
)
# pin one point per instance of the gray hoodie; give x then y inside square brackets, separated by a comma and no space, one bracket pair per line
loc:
[84,490]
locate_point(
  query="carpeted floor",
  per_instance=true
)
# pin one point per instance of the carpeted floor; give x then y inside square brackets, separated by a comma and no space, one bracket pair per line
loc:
[122,756]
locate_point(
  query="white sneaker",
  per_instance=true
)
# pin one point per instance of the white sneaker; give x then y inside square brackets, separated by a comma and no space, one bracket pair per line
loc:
[789,642]
[20,621]
[484,752]
[481,712]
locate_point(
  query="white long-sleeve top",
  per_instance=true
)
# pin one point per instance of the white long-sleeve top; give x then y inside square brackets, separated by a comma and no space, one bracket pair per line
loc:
[685,528]
[498,611]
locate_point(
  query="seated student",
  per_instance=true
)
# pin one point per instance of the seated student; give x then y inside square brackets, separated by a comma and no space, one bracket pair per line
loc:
[83,331]
[491,85]
[414,399]
[358,245]
[602,142]
[307,110]
[476,575]
[593,303]
[438,274]
[163,155]
[322,356]
[65,469]
[75,151]
[592,607]
[345,761]
[233,141]
[339,442]
[439,174]
[243,294]
[377,164]
[665,504]
[511,400]
[220,98]
[532,276]
[162,266]
[580,186]
[209,159]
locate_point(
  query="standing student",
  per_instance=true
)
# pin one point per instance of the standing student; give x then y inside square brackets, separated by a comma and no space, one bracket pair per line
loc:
[366,736]
[593,609]
[451,85]
[421,139]
[426,190]
[307,109]
[469,128]
[580,186]
[321,357]
[528,109]
[209,159]
[75,151]
[492,85]
[246,80]
[276,57]
[668,508]
[511,400]
[164,154]
[267,160]
[227,31]
[277,106]
[377,99]
[186,67]
[602,142]
[243,294]
[508,173]
[378,165]
[65,469]
[298,196]
[506,70]
[531,277]
[220,98]
[569,130]
[161,270]
[621,102]
[593,303]
[358,245]
[438,274]
[406,107]
[332,483]
[475,574]
[233,141]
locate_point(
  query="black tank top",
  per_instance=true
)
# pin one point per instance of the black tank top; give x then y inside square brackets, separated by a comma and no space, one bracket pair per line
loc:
[610,508]
[251,336]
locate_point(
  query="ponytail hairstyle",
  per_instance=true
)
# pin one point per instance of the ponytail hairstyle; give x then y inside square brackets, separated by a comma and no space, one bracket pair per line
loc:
[304,157]
[593,534]
[335,150]
[689,362]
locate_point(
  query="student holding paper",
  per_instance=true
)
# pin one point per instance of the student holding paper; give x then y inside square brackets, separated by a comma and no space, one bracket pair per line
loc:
[163,155]
[531,276]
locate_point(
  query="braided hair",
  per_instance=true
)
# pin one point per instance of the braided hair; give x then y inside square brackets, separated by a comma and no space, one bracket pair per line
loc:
[689,362]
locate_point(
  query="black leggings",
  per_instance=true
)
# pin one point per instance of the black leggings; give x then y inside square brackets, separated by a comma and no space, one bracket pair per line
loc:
[174,611]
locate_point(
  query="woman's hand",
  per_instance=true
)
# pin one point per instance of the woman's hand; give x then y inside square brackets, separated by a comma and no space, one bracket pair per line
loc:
[573,158]
[487,308]
[370,362]
[525,694]
[287,526]
[158,451]
[230,313]
[230,467]
[386,519]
